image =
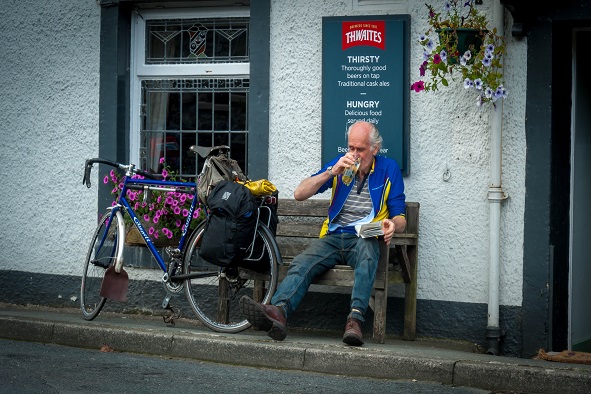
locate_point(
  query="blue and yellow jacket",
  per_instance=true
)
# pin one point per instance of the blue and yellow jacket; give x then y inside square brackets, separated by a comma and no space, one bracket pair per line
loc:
[386,189]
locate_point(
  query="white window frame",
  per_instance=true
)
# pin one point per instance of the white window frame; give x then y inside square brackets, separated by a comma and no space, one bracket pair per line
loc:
[140,71]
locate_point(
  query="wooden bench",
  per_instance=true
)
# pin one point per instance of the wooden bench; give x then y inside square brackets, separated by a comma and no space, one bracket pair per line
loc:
[300,223]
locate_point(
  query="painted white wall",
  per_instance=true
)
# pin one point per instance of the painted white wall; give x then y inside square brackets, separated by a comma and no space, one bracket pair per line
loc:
[49,75]
[448,131]
[49,107]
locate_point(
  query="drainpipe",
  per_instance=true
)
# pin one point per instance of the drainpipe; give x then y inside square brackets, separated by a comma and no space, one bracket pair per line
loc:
[495,196]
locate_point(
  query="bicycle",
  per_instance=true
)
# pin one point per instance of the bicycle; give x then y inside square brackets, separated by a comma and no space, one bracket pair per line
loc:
[213,292]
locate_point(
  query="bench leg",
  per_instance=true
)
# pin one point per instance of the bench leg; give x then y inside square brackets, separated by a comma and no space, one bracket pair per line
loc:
[381,295]
[410,297]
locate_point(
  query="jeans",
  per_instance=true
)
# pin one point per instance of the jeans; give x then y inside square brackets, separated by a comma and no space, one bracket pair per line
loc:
[362,254]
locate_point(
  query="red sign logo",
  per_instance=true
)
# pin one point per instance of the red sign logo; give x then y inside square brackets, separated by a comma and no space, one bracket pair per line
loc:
[371,33]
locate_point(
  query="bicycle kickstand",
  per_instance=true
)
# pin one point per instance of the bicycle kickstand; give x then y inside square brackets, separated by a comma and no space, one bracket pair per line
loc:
[170,313]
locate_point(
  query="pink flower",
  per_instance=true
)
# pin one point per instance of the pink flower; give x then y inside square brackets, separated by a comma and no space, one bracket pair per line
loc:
[161,160]
[436,59]
[418,86]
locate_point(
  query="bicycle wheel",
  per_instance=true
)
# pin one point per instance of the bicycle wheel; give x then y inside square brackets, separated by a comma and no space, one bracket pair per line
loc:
[101,254]
[215,292]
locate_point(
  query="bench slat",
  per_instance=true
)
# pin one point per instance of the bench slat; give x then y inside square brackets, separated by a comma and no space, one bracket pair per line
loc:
[311,207]
[294,229]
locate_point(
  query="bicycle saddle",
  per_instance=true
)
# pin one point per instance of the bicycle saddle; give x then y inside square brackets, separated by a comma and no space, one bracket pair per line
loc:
[205,151]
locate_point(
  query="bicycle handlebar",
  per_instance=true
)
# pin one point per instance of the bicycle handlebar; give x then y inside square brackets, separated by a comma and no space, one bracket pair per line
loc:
[127,167]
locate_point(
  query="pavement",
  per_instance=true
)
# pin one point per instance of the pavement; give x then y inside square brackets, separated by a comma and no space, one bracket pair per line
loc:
[448,362]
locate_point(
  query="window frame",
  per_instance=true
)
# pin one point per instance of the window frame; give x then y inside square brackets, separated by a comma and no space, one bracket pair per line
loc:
[140,71]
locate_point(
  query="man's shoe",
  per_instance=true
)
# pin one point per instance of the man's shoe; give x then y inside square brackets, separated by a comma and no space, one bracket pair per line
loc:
[353,335]
[264,317]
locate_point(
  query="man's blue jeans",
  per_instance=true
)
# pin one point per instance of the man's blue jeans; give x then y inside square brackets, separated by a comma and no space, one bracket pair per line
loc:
[362,254]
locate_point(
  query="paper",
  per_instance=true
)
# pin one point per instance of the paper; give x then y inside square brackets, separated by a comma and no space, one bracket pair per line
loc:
[368,230]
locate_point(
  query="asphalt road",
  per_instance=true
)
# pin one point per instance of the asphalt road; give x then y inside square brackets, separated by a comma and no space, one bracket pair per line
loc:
[28,367]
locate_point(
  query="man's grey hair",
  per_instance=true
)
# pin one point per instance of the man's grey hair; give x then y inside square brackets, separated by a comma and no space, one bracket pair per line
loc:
[375,139]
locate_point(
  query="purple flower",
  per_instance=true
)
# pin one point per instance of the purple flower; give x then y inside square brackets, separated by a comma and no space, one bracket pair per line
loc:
[185,212]
[147,217]
[177,210]
[164,173]
[468,83]
[151,231]
[161,160]
[106,179]
[423,68]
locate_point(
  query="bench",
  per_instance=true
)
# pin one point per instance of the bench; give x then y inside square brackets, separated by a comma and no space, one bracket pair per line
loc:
[300,223]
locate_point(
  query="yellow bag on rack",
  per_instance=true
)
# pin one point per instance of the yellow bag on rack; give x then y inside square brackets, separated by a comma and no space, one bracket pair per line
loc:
[262,187]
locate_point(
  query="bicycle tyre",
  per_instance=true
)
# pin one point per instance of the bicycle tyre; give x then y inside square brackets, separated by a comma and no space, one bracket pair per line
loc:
[99,257]
[215,296]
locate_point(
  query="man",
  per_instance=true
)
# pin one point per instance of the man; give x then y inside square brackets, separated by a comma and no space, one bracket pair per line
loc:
[377,193]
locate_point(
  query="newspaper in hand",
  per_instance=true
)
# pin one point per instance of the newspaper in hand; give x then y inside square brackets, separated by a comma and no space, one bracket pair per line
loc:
[368,230]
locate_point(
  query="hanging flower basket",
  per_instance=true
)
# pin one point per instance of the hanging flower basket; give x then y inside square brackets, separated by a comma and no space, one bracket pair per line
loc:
[459,40]
[460,46]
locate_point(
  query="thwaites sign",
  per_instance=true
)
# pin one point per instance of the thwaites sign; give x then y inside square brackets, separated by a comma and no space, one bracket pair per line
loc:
[365,77]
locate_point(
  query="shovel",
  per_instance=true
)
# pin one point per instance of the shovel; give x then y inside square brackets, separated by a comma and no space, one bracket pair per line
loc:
[114,286]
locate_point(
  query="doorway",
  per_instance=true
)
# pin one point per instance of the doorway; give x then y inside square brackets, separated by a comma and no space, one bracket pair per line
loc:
[580,192]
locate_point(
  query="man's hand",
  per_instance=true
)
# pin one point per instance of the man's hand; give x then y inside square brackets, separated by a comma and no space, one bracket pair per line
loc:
[388,227]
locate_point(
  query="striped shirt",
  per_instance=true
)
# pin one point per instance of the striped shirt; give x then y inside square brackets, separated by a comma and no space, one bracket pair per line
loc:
[357,206]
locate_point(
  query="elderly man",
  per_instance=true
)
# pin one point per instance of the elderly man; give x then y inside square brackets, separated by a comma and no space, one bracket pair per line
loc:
[376,193]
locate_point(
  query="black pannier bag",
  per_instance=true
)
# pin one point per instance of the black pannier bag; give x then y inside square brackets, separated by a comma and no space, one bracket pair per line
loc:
[231,224]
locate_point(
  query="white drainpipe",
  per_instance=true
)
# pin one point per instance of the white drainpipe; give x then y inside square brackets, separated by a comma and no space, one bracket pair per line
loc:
[495,196]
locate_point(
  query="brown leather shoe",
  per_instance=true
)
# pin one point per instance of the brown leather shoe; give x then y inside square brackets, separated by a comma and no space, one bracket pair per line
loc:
[264,317]
[353,335]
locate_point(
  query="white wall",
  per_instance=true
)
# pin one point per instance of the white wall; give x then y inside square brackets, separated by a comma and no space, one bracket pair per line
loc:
[447,131]
[49,75]
[49,108]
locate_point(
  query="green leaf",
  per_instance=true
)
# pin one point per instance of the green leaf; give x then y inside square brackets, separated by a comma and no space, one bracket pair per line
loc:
[444,82]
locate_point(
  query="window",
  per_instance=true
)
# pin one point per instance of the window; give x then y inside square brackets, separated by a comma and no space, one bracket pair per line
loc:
[189,86]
